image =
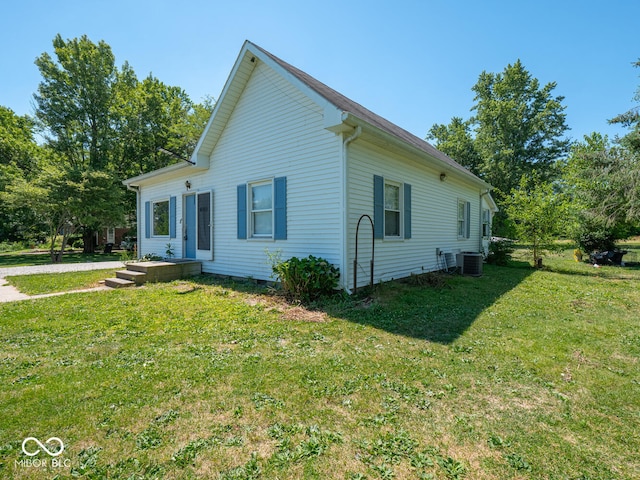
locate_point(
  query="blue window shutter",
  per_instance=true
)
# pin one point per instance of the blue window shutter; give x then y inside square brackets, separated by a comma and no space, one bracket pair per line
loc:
[467,217]
[242,211]
[280,208]
[172,217]
[147,219]
[407,210]
[378,206]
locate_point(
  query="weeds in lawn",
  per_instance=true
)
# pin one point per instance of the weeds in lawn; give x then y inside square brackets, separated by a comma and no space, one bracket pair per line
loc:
[517,381]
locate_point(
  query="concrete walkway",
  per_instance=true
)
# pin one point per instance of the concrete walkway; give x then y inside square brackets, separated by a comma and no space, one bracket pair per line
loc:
[9,293]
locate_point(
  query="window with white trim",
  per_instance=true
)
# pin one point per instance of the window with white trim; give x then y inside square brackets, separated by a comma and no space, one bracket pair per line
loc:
[486,223]
[392,209]
[262,209]
[160,212]
[464,220]
[261,205]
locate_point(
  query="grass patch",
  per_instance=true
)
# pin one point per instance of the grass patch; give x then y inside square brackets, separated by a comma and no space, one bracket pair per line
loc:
[517,374]
[24,259]
[39,284]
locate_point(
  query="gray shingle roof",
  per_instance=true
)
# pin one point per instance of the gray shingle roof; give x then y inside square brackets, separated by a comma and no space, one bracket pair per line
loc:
[347,105]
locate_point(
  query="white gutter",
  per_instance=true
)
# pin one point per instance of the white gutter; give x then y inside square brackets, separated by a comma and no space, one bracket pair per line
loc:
[482,195]
[156,174]
[378,132]
[344,206]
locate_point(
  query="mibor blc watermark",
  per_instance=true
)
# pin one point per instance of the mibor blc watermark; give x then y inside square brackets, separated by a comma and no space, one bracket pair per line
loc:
[53,447]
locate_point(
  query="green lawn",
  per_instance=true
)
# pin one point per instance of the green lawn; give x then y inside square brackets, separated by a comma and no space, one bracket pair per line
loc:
[58,282]
[21,259]
[516,374]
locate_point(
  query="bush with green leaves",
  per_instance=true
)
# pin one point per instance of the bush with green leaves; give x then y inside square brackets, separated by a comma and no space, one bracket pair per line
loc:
[538,213]
[500,252]
[592,235]
[306,279]
[599,240]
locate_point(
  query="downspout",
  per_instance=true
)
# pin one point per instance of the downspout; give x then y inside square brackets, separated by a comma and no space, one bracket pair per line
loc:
[345,204]
[136,188]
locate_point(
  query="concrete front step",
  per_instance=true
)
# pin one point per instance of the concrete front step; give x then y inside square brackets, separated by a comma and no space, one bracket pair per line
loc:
[166,271]
[137,277]
[118,283]
[142,272]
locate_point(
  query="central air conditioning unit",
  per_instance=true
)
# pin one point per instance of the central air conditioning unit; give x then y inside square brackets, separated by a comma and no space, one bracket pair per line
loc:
[469,263]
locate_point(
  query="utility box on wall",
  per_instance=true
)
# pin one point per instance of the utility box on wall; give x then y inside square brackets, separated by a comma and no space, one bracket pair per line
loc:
[469,263]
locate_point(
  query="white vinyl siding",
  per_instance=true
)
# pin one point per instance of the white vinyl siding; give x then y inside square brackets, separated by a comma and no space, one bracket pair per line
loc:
[273,131]
[433,214]
[157,193]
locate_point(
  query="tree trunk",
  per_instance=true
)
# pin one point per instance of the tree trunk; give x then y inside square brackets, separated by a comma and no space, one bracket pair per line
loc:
[55,258]
[88,238]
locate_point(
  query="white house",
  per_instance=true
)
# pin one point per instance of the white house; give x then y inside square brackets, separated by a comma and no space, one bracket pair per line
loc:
[287,165]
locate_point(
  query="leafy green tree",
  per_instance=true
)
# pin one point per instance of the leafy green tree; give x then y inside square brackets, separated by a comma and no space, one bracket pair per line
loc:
[631,119]
[150,115]
[629,178]
[50,198]
[518,128]
[602,178]
[602,181]
[64,201]
[19,159]
[74,99]
[99,119]
[73,106]
[538,213]
[17,145]
[457,141]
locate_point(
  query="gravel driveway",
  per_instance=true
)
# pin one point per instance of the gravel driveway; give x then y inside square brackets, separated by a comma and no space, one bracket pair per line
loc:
[58,267]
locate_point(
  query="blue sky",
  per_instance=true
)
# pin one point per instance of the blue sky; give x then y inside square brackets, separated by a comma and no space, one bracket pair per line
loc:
[413,62]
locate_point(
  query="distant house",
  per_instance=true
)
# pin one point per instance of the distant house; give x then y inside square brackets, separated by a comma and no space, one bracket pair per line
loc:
[288,165]
[112,235]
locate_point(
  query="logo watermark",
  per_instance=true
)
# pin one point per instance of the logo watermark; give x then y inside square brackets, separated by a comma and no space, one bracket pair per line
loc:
[53,447]
[43,447]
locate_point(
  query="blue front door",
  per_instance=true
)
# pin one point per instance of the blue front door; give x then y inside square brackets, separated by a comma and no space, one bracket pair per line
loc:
[190,226]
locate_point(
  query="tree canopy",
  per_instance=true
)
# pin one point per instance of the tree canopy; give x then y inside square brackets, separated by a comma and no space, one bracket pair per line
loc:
[101,124]
[517,128]
[538,213]
[631,119]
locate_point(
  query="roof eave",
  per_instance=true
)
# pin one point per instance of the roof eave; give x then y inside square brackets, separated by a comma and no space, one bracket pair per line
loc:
[461,172]
[159,174]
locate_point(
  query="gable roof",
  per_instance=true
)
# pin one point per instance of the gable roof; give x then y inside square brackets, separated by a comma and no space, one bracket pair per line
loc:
[344,112]
[351,107]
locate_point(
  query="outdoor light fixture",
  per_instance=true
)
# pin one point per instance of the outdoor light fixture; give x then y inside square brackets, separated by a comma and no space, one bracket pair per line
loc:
[443,177]
[187,184]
